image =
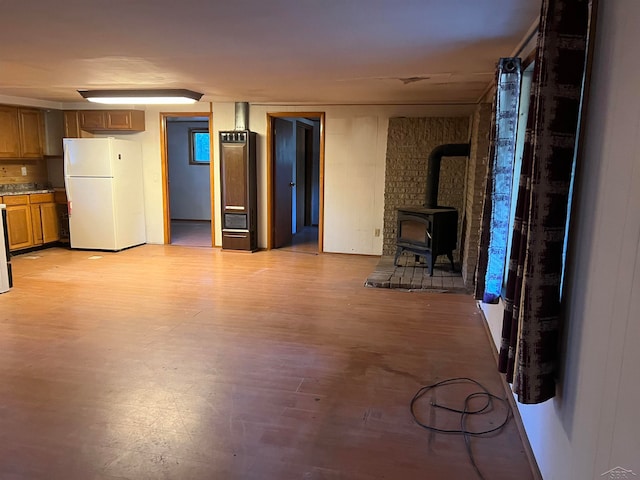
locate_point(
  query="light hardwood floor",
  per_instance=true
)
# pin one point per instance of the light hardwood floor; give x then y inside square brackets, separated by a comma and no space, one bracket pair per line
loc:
[167,362]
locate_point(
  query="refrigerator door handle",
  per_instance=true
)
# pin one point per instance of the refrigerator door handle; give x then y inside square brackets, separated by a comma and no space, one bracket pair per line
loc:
[66,183]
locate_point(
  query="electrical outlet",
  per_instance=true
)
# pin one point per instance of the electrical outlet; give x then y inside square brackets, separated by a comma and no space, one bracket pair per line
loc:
[24,171]
[376,232]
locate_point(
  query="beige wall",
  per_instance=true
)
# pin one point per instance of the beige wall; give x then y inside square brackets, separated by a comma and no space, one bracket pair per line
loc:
[152,165]
[355,152]
[355,149]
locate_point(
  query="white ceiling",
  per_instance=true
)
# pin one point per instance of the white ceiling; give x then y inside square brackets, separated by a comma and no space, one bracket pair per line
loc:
[268,51]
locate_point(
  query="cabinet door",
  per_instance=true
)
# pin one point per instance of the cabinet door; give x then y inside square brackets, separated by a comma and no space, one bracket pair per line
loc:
[233,164]
[130,120]
[92,120]
[120,120]
[71,125]
[50,223]
[19,226]
[36,224]
[9,136]
[31,132]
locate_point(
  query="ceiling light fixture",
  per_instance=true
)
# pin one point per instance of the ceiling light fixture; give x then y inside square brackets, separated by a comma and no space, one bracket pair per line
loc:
[137,97]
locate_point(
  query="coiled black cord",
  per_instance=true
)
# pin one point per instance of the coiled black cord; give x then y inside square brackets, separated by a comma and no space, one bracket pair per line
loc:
[464,413]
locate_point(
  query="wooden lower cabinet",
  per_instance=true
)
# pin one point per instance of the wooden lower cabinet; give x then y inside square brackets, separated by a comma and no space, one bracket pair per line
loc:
[36,224]
[49,222]
[31,221]
[19,224]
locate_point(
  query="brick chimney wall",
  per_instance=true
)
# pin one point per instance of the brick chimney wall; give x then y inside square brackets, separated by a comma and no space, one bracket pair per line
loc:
[409,142]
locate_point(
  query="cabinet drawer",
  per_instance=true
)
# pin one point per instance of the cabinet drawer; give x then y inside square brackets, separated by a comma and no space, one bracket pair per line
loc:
[16,200]
[41,197]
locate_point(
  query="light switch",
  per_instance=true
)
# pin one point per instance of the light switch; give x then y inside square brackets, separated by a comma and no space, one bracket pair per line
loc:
[24,171]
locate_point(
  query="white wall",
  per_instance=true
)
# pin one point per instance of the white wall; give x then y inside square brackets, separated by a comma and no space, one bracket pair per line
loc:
[355,152]
[152,164]
[593,425]
[189,184]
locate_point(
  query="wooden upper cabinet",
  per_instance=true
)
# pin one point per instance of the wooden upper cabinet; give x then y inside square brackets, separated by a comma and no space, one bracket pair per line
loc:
[21,132]
[125,120]
[31,133]
[71,124]
[110,120]
[92,120]
[9,132]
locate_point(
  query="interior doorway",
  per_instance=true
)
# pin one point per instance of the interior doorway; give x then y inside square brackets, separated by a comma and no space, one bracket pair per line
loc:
[295,174]
[187,179]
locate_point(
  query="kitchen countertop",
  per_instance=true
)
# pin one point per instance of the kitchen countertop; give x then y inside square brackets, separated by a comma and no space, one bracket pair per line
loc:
[25,192]
[10,189]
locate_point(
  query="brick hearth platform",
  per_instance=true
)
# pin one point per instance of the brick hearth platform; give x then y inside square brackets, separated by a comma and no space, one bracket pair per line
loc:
[410,275]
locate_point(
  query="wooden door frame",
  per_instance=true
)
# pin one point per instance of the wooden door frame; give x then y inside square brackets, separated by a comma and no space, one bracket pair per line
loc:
[164,156]
[271,116]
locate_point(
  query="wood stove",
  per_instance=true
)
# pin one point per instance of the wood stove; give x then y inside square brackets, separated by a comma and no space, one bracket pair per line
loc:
[428,233]
[431,230]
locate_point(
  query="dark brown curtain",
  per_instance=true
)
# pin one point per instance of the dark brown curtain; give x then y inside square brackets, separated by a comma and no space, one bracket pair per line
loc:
[529,348]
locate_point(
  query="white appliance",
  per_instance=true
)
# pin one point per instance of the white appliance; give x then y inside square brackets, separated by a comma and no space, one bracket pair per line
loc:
[104,186]
[5,258]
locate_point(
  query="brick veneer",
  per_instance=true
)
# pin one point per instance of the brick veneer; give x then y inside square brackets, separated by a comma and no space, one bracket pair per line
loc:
[462,181]
[409,142]
[476,178]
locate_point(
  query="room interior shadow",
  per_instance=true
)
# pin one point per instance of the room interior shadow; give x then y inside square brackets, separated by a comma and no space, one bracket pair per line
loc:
[191,233]
[296,184]
[188,161]
[305,240]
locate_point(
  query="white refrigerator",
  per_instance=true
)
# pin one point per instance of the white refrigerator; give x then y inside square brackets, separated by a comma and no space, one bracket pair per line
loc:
[104,186]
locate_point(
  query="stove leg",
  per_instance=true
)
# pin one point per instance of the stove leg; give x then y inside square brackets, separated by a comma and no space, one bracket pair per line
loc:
[431,260]
[398,253]
[450,257]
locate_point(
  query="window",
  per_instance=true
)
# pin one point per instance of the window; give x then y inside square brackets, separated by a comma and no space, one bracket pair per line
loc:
[523,114]
[199,151]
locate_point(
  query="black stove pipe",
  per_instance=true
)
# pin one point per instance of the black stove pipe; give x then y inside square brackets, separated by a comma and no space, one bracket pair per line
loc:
[433,172]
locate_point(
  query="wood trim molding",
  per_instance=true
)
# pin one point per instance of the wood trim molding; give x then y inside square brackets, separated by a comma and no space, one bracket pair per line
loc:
[165,178]
[165,171]
[271,116]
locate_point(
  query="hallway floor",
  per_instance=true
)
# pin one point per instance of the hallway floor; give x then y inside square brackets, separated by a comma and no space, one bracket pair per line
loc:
[192,233]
